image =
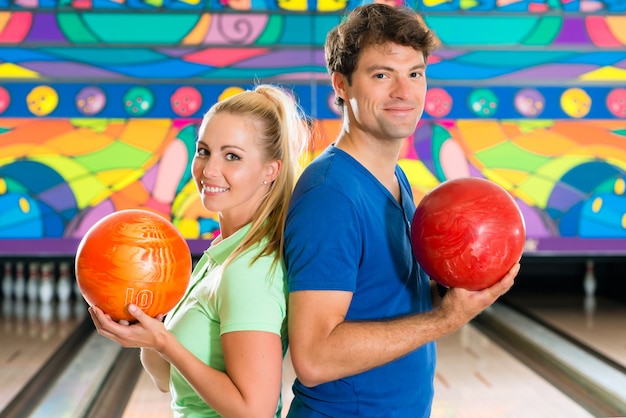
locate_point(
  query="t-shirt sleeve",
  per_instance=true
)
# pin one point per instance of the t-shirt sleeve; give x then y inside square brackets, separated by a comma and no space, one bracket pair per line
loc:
[323,242]
[249,299]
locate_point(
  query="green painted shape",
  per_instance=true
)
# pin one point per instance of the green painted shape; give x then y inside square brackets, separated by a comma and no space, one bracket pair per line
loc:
[118,155]
[73,27]
[272,32]
[3,130]
[510,156]
[323,25]
[14,186]
[260,73]
[298,30]
[138,28]
[481,30]
[439,136]
[548,28]
[514,59]
[621,132]
[104,56]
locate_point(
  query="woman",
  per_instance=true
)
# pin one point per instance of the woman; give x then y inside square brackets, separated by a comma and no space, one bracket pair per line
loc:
[220,350]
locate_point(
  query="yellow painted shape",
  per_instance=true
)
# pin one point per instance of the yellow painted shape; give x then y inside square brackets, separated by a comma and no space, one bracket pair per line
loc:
[619,187]
[10,153]
[330,5]
[10,70]
[4,19]
[199,32]
[607,73]
[79,142]
[480,135]
[617,25]
[544,142]
[146,134]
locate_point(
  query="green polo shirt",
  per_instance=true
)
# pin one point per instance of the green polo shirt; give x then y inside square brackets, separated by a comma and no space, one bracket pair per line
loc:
[246,299]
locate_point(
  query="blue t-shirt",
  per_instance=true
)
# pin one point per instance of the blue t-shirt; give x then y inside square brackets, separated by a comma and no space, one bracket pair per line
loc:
[346,232]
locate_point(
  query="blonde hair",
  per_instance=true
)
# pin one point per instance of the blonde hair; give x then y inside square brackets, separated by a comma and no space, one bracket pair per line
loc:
[283,135]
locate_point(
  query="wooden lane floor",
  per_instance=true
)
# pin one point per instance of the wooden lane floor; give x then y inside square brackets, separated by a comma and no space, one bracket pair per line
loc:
[475,378]
[30,332]
[597,322]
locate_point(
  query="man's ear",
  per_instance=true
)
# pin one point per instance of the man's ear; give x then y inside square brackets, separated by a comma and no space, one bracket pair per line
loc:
[339,83]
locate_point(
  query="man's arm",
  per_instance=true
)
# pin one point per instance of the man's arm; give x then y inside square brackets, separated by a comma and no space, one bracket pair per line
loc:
[325,347]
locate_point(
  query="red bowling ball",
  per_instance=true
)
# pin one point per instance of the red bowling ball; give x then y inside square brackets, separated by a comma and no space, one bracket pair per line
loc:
[133,256]
[468,233]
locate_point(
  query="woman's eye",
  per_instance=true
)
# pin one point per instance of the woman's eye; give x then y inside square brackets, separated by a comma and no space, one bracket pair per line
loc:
[231,157]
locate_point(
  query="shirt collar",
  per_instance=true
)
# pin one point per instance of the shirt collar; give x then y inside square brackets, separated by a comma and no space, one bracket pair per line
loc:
[220,248]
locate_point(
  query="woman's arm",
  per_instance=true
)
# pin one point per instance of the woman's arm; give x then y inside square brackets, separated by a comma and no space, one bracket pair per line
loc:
[251,385]
[157,367]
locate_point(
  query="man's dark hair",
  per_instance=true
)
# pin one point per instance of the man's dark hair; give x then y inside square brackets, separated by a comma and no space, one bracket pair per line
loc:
[370,25]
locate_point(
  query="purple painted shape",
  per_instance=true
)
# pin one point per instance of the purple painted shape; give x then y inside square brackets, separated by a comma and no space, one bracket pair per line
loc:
[59,197]
[564,197]
[448,54]
[69,70]
[299,76]
[66,247]
[555,72]
[79,225]
[581,246]
[534,222]
[177,52]
[621,64]
[235,29]
[573,31]
[150,177]
[546,247]
[283,58]
[44,28]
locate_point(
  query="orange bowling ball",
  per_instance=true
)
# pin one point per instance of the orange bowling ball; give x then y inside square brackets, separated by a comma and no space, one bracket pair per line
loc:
[467,232]
[133,256]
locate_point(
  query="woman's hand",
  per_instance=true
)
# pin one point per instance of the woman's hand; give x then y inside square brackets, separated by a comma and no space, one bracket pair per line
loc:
[147,332]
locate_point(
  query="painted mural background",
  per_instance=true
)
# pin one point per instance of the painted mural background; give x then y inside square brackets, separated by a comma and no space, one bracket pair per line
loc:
[100,101]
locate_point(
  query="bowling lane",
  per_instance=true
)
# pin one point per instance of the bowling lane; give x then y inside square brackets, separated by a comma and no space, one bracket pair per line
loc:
[595,321]
[475,378]
[30,332]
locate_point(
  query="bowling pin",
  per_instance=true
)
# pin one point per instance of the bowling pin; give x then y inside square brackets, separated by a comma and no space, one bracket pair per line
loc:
[64,283]
[32,286]
[46,286]
[32,315]
[7,313]
[19,312]
[589,281]
[19,288]
[64,313]
[7,281]
[45,316]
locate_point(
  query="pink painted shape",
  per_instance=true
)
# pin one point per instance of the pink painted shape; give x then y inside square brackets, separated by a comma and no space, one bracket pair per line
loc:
[92,216]
[16,28]
[172,167]
[453,160]
[217,57]
[600,33]
[235,29]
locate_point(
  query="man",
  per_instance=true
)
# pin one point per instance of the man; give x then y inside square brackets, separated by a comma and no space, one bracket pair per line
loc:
[362,322]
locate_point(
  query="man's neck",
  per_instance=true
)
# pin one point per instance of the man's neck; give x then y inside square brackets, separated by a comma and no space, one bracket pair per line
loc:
[379,157]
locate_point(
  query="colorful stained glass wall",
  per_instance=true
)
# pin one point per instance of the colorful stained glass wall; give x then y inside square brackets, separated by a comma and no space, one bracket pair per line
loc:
[100,102]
